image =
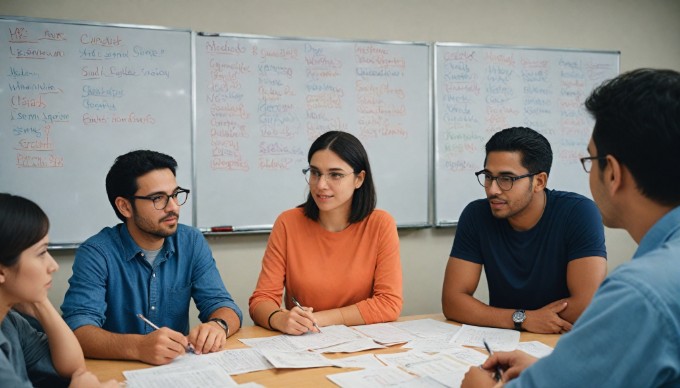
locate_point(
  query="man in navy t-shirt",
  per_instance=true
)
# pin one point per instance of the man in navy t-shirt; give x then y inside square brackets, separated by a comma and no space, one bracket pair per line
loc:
[542,250]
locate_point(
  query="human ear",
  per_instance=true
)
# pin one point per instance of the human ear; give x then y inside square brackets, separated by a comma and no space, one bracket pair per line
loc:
[124,207]
[612,175]
[359,179]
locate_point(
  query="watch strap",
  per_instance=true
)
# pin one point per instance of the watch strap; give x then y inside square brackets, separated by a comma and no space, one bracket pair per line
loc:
[223,324]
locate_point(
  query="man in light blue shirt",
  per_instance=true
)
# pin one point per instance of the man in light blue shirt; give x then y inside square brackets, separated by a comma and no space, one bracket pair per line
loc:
[150,265]
[630,334]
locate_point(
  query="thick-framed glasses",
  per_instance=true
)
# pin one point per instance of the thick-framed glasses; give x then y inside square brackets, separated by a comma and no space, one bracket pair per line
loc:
[587,162]
[312,176]
[160,201]
[504,182]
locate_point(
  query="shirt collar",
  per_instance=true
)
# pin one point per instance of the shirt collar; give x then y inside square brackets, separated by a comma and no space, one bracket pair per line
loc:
[131,249]
[663,230]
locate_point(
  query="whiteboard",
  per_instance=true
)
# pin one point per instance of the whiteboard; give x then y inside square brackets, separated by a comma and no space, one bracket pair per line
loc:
[76,97]
[261,102]
[480,90]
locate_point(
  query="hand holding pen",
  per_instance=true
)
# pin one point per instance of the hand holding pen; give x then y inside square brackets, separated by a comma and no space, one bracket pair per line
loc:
[497,374]
[309,314]
[162,345]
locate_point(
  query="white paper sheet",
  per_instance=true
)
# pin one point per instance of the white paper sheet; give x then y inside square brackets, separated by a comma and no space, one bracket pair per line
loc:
[352,346]
[467,356]
[207,376]
[535,348]
[498,339]
[363,361]
[427,328]
[431,345]
[404,359]
[385,333]
[237,361]
[296,359]
[371,378]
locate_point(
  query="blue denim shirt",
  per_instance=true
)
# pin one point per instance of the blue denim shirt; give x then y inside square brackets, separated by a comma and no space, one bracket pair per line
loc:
[24,354]
[112,283]
[629,336]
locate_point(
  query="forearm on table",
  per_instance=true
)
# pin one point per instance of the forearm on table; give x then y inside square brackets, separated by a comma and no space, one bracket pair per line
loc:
[99,343]
[464,308]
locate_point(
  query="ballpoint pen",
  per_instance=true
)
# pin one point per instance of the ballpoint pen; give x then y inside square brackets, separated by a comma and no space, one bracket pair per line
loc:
[301,308]
[189,348]
[497,375]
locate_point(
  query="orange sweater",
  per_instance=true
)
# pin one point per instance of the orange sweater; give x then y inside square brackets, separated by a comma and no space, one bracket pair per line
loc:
[325,270]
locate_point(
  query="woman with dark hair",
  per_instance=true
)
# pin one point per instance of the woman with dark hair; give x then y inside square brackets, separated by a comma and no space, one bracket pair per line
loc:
[336,255]
[28,357]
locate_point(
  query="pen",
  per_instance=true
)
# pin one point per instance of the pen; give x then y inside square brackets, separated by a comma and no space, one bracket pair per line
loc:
[190,348]
[497,374]
[301,308]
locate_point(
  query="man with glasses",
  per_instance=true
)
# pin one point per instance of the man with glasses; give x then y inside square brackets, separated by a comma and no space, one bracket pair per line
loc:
[542,250]
[629,336]
[132,283]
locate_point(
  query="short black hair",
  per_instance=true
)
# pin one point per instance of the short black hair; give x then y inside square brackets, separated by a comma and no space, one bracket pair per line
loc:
[349,149]
[637,120]
[22,224]
[121,181]
[535,148]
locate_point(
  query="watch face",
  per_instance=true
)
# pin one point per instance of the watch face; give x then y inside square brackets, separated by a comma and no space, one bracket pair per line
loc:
[518,316]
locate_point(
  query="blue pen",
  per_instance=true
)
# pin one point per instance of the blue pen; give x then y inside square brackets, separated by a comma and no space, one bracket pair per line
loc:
[301,308]
[497,375]
[189,349]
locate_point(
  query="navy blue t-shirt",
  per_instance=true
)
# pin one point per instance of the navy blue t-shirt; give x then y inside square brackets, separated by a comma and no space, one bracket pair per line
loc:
[528,269]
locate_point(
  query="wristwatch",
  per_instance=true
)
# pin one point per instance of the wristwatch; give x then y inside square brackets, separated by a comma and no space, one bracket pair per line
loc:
[222,324]
[518,318]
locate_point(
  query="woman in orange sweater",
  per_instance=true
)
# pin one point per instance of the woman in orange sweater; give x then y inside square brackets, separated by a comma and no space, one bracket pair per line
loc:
[335,254]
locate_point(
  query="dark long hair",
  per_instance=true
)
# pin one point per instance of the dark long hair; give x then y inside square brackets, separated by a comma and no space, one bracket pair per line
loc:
[22,225]
[350,150]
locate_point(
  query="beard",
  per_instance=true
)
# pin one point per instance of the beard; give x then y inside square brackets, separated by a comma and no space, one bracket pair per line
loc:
[156,229]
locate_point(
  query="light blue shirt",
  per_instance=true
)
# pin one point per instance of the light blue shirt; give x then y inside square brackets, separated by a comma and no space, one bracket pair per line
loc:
[630,334]
[112,283]
[25,358]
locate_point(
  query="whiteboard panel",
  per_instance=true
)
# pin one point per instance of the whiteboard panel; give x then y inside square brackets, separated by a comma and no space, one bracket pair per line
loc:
[480,90]
[75,97]
[261,102]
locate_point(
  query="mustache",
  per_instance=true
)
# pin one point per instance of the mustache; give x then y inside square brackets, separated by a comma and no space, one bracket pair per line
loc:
[492,197]
[172,214]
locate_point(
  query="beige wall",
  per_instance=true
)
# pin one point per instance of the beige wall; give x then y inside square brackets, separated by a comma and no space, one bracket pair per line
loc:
[646,32]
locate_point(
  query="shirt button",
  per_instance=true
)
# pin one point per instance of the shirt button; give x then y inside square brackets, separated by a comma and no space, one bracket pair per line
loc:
[141,254]
[154,274]
[153,307]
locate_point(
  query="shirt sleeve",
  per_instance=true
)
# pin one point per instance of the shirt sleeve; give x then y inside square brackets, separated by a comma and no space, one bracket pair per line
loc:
[272,277]
[624,339]
[466,244]
[585,231]
[208,289]
[85,300]
[386,303]
[36,354]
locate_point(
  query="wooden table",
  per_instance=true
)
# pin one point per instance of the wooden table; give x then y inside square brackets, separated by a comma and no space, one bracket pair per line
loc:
[312,377]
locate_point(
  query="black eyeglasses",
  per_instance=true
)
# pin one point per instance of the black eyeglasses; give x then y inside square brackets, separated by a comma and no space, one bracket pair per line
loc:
[160,201]
[504,182]
[587,162]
